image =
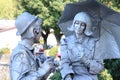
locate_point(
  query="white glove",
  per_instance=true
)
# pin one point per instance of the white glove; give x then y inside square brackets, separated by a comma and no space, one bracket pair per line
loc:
[48,64]
[85,61]
[68,77]
[46,67]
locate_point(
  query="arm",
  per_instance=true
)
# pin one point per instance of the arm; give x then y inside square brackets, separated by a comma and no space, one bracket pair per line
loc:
[21,69]
[65,62]
[94,66]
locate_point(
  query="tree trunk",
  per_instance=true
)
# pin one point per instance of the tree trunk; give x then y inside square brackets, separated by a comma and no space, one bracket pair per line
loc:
[45,36]
[58,37]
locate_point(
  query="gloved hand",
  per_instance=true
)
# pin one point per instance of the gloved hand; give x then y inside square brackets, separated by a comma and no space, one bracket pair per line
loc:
[46,67]
[85,61]
[68,77]
[48,64]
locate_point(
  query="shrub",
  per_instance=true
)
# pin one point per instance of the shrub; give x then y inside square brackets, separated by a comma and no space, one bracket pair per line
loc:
[113,65]
[53,51]
[105,75]
[56,76]
[4,51]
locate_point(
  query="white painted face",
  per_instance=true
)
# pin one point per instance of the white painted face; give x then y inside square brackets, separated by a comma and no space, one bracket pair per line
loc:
[82,24]
[79,27]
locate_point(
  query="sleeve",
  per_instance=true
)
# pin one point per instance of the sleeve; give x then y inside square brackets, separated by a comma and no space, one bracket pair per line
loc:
[94,66]
[65,62]
[21,69]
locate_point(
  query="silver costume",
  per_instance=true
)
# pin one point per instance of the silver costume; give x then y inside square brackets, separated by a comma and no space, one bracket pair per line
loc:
[77,53]
[24,65]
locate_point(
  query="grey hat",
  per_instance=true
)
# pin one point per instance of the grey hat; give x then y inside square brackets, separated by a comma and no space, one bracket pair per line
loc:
[24,21]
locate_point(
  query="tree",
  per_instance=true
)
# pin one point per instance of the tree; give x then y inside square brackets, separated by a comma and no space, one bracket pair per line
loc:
[113,66]
[113,4]
[7,9]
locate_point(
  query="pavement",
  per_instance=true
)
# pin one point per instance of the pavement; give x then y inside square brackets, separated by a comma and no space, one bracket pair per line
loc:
[4,67]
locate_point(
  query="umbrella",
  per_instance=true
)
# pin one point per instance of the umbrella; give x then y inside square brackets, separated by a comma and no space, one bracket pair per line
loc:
[105,21]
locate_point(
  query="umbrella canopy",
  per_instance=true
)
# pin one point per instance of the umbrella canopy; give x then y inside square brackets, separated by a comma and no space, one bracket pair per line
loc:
[105,22]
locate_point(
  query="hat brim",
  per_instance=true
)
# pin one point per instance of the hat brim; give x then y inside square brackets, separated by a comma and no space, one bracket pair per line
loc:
[28,25]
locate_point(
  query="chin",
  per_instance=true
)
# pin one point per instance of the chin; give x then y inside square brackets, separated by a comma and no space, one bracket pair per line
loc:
[36,41]
[79,33]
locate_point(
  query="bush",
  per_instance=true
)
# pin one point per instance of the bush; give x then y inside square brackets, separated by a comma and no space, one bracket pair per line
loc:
[113,66]
[4,51]
[53,51]
[56,76]
[104,75]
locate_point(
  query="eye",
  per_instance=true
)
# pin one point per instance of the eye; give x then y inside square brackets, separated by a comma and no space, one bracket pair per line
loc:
[83,24]
[76,22]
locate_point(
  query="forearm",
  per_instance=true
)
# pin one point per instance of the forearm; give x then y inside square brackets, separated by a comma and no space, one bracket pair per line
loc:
[94,66]
[31,76]
[27,75]
[66,68]
[21,69]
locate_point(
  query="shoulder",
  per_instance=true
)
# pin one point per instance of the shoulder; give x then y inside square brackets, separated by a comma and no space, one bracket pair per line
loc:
[17,53]
[68,39]
[91,39]
[63,41]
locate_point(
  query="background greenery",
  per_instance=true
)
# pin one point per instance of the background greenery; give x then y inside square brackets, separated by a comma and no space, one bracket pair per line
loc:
[4,50]
[50,11]
[53,51]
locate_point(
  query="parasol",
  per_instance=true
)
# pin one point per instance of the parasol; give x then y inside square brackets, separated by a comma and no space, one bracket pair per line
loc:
[105,22]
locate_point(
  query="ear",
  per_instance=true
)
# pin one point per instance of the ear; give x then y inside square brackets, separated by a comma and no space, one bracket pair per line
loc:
[36,32]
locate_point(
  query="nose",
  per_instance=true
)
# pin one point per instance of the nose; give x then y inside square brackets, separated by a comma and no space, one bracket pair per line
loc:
[79,27]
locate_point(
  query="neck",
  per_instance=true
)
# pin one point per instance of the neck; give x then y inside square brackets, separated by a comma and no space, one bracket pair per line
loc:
[80,37]
[28,41]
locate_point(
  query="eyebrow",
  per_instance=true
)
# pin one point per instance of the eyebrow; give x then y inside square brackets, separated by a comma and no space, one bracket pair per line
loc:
[79,21]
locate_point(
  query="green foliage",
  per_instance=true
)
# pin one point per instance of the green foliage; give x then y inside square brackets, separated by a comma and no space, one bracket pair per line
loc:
[41,40]
[104,75]
[113,66]
[4,50]
[113,4]
[7,9]
[56,76]
[53,51]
